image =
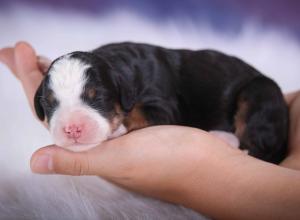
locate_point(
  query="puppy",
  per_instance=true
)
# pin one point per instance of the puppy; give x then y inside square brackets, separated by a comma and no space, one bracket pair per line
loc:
[89,97]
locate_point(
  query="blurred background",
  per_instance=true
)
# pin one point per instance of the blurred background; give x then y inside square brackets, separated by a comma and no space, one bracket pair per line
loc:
[265,33]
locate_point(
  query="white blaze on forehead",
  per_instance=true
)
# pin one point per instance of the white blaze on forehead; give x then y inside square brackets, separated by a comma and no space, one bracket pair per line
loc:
[67,79]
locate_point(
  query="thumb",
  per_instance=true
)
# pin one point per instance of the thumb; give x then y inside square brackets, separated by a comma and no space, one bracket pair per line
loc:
[52,159]
[7,57]
[28,70]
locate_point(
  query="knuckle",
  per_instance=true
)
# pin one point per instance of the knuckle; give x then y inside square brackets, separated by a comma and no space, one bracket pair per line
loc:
[77,168]
[80,166]
[75,164]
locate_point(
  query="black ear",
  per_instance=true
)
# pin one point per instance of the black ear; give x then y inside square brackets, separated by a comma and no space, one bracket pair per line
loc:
[126,98]
[37,103]
[127,95]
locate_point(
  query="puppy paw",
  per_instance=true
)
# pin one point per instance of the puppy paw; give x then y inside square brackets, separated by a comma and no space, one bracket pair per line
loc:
[121,130]
[228,137]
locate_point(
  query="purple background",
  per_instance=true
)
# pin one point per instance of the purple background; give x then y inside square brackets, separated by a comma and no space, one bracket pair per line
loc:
[226,15]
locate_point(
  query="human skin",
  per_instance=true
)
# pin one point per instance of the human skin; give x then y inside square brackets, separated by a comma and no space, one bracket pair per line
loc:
[182,165]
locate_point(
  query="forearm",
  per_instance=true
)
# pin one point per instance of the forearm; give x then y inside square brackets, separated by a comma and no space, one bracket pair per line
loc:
[245,189]
[221,182]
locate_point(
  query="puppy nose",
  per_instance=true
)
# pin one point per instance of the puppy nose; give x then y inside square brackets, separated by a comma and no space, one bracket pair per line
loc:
[73,131]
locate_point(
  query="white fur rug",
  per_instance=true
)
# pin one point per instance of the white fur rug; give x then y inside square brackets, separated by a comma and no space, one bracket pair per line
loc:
[24,195]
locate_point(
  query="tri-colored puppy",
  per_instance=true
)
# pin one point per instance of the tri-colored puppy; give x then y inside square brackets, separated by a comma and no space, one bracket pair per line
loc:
[89,97]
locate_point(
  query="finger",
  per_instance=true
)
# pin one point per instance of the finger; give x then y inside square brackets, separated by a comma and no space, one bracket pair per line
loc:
[52,159]
[44,64]
[28,70]
[57,160]
[108,160]
[291,96]
[8,58]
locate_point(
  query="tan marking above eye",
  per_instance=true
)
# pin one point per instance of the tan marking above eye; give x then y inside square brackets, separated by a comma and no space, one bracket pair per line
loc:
[91,93]
[118,118]
[50,97]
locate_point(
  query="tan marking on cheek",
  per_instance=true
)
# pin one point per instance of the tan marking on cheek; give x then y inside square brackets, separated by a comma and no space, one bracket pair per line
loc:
[117,119]
[135,119]
[239,119]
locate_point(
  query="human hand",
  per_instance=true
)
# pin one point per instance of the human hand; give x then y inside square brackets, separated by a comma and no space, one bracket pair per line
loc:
[293,100]
[184,166]
[161,161]
[293,158]
[26,66]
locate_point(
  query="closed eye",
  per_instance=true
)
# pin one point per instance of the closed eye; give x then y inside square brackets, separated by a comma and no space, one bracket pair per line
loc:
[91,93]
[48,100]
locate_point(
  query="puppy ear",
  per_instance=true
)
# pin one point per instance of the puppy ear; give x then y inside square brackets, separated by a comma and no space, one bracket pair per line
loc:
[37,103]
[127,96]
[126,99]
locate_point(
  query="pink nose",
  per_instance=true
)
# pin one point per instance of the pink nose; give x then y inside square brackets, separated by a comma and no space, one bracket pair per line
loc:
[73,131]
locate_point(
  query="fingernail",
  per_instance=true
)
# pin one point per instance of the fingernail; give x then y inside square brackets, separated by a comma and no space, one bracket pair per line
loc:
[42,164]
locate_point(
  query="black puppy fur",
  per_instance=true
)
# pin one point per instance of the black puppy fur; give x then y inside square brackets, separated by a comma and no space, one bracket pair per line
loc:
[204,89]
